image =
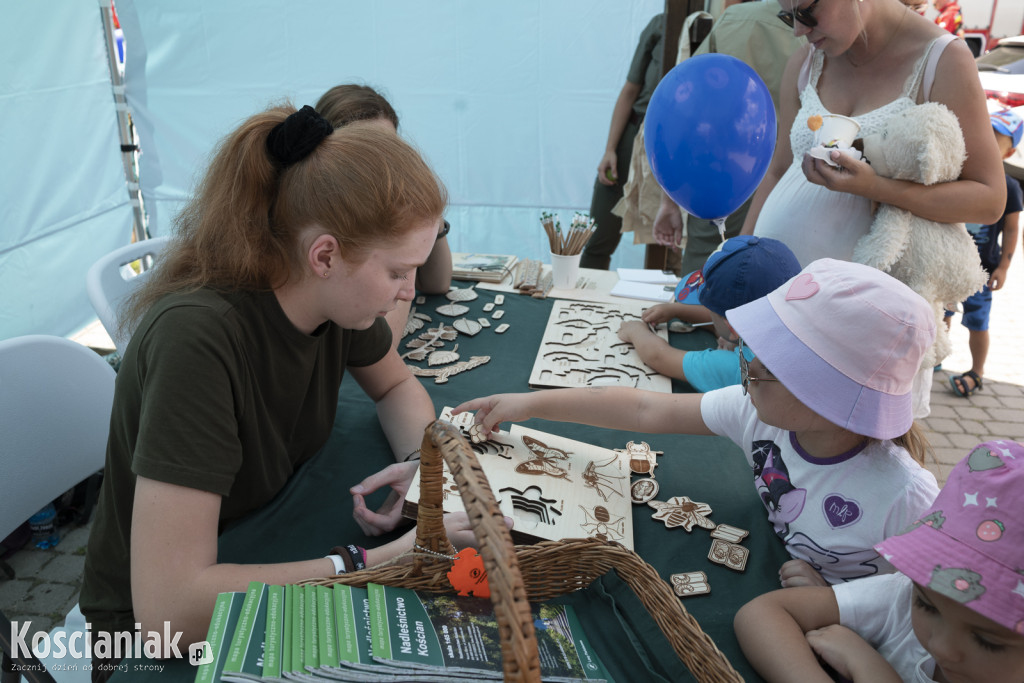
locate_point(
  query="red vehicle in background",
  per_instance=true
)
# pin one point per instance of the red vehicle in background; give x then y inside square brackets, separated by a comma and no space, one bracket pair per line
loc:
[987,21]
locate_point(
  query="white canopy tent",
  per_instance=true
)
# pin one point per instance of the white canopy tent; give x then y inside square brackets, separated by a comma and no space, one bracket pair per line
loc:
[510,103]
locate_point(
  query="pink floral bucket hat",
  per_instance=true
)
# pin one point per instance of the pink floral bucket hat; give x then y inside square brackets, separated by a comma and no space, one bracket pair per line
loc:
[970,545]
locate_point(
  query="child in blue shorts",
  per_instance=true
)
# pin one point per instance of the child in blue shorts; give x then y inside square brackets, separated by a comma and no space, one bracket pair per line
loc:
[995,258]
[744,268]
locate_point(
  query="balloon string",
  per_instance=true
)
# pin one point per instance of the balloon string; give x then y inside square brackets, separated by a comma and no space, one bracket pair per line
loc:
[720,224]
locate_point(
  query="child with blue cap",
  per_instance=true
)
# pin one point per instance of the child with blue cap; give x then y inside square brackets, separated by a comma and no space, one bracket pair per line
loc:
[996,244]
[743,268]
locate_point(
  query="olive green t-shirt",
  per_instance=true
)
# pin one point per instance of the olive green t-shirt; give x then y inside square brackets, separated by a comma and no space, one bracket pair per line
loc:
[221,393]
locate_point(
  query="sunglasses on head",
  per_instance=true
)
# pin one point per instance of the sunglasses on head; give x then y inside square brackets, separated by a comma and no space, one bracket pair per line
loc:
[805,16]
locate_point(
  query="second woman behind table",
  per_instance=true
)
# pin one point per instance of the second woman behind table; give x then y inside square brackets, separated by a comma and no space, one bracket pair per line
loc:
[273,289]
[351,103]
[827,427]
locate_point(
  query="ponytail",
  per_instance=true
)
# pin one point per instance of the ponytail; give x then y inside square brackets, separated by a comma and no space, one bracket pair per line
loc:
[915,443]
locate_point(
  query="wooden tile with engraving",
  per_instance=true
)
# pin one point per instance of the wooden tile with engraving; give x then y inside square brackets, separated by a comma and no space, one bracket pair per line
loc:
[581,348]
[553,487]
[690,583]
[729,554]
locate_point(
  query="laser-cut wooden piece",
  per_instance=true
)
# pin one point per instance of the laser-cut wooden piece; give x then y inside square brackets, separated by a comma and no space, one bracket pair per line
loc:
[476,433]
[467,327]
[599,481]
[441,375]
[502,328]
[643,490]
[690,583]
[552,500]
[433,338]
[729,534]
[443,357]
[484,322]
[453,310]
[498,314]
[420,300]
[681,511]
[473,432]
[601,524]
[729,554]
[580,348]
[528,276]
[544,286]
[413,323]
[499,299]
[642,460]
[488,307]
[461,294]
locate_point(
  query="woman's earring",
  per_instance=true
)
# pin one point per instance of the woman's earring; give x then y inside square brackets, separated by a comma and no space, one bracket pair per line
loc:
[326,273]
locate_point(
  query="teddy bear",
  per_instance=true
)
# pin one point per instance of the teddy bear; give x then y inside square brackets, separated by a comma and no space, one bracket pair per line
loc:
[937,260]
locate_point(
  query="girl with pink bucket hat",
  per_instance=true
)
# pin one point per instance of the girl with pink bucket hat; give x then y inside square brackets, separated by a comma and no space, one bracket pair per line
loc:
[954,612]
[826,426]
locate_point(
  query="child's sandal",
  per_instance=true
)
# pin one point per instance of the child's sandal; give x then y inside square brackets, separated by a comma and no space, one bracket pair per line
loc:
[959,386]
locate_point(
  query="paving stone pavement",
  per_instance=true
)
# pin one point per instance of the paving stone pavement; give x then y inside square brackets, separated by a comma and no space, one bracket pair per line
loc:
[47,581]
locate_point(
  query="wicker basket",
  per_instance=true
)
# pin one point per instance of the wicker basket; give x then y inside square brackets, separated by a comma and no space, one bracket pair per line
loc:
[519,575]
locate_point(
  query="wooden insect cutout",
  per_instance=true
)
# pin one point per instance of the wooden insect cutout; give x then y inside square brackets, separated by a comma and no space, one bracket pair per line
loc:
[544,461]
[729,554]
[602,483]
[690,583]
[729,534]
[600,524]
[643,490]
[681,511]
[642,460]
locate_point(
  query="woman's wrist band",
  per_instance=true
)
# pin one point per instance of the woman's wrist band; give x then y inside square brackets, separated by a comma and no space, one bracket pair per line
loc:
[339,564]
[353,557]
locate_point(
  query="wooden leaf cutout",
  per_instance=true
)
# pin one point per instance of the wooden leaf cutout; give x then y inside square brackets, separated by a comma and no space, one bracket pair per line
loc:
[456,294]
[453,310]
[467,326]
[413,324]
[443,357]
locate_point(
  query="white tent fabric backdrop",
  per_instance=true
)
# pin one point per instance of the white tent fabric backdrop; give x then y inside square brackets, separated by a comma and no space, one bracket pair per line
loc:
[65,202]
[510,103]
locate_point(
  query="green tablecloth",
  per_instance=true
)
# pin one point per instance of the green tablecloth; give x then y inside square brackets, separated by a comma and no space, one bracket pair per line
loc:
[313,513]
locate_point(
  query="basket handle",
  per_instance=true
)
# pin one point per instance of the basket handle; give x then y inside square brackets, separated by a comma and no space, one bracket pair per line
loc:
[442,440]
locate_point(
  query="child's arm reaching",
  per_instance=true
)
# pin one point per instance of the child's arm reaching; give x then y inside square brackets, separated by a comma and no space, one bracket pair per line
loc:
[781,632]
[663,313]
[622,408]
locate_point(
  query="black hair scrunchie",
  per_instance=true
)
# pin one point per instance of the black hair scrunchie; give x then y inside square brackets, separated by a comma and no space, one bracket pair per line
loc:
[297,136]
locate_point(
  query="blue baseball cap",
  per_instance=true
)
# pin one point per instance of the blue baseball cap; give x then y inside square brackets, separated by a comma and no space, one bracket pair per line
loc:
[1009,124]
[742,269]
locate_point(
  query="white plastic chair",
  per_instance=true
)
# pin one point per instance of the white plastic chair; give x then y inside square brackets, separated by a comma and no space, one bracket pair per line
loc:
[55,402]
[111,279]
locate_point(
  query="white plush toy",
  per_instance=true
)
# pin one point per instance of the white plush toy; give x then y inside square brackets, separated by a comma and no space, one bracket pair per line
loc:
[939,261]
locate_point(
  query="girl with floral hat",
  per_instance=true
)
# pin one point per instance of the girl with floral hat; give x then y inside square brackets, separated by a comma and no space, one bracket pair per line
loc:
[954,612]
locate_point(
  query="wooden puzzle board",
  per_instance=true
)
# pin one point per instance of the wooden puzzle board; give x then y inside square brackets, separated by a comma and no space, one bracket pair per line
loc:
[580,348]
[552,487]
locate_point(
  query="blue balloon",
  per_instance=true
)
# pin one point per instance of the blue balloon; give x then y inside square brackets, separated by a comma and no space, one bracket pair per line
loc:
[710,134]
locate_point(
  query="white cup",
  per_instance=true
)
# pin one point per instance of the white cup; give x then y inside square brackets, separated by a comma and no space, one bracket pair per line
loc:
[565,270]
[836,131]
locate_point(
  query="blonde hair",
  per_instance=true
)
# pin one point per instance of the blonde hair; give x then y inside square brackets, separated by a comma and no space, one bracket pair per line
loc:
[915,443]
[244,227]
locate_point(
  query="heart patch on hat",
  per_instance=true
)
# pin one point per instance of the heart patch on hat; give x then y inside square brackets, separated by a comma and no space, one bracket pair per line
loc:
[803,287]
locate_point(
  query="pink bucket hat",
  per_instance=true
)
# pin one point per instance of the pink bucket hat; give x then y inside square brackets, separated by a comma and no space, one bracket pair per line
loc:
[846,339]
[970,545]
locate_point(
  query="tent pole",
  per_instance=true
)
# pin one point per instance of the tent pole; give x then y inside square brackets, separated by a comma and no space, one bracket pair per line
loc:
[126,129]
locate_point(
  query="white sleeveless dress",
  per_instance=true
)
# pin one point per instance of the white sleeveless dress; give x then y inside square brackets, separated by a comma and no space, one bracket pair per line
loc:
[810,219]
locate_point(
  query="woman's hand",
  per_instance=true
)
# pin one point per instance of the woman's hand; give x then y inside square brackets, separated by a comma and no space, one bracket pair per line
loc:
[389,515]
[799,573]
[606,169]
[668,224]
[491,411]
[853,176]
